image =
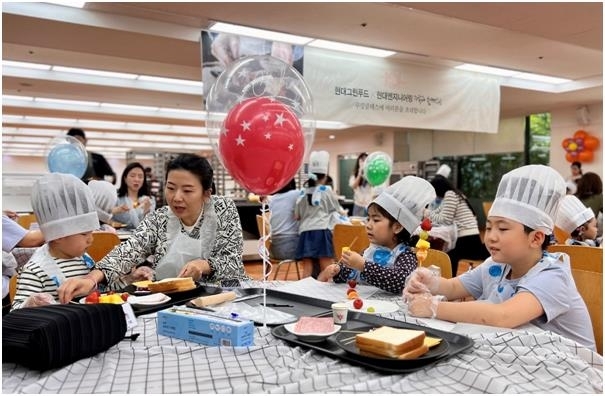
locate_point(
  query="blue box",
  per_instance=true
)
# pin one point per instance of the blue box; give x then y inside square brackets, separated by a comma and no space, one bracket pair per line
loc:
[205,328]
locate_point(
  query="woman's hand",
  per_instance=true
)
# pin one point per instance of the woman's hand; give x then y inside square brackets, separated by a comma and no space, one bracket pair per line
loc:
[195,269]
[146,202]
[120,209]
[353,260]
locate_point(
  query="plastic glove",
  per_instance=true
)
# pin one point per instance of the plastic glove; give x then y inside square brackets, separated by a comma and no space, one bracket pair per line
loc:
[328,273]
[141,273]
[424,305]
[422,280]
[38,300]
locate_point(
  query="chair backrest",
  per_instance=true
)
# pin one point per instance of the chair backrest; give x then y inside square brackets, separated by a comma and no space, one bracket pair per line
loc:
[26,220]
[353,236]
[487,205]
[102,243]
[441,260]
[259,224]
[560,235]
[587,272]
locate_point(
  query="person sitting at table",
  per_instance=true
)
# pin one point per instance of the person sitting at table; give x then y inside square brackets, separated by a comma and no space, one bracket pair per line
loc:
[67,216]
[520,283]
[197,235]
[392,217]
[105,196]
[578,221]
[13,235]
[134,199]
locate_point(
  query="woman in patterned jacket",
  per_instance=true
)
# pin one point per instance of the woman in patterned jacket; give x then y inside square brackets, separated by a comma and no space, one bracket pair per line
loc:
[197,235]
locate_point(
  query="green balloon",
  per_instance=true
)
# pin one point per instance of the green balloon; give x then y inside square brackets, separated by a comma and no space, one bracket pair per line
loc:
[378,171]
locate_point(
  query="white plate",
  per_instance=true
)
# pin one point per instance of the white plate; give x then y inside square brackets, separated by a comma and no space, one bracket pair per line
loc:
[310,337]
[378,305]
[152,299]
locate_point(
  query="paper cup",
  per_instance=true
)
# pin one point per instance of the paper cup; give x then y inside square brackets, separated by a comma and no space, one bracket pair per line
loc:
[340,313]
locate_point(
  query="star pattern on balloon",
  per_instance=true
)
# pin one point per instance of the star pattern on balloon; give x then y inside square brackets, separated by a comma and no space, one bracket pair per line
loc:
[261,144]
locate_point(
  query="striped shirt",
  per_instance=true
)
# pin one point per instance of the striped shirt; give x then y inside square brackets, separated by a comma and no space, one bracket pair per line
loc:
[455,210]
[33,279]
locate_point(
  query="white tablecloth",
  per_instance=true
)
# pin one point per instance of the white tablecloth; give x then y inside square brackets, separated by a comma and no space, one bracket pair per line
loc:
[501,361]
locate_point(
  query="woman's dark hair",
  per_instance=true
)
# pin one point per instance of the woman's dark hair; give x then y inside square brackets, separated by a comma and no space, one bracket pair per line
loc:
[195,164]
[589,184]
[288,187]
[547,238]
[443,185]
[123,190]
[578,165]
[403,236]
[356,170]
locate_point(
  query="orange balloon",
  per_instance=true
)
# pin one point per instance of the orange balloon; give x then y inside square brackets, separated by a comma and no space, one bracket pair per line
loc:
[585,156]
[591,142]
[565,143]
[570,158]
[580,134]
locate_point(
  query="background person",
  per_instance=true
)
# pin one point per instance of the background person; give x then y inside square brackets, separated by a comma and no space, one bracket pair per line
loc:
[578,221]
[134,199]
[98,167]
[196,235]
[362,190]
[67,215]
[283,224]
[455,209]
[105,197]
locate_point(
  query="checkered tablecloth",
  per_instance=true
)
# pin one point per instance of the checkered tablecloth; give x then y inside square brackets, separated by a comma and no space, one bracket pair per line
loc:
[501,361]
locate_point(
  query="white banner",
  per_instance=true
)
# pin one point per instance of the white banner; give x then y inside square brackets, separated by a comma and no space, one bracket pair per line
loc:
[364,90]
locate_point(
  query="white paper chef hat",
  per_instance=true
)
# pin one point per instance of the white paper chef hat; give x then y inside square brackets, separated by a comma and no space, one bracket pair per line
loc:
[105,196]
[63,206]
[406,200]
[531,196]
[319,161]
[572,214]
[444,170]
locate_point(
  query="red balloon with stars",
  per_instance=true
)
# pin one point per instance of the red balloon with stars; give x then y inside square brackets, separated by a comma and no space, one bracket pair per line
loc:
[262,144]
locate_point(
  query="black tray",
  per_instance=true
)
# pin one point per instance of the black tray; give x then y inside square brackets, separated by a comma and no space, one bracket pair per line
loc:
[456,343]
[287,302]
[176,298]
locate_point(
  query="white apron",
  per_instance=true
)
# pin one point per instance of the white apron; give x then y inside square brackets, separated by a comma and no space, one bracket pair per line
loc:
[182,248]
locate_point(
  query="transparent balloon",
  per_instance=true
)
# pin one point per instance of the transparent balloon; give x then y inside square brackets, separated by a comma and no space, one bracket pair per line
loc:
[247,93]
[65,154]
[377,168]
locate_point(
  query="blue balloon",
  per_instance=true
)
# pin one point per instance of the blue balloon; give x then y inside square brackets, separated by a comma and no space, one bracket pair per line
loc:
[67,158]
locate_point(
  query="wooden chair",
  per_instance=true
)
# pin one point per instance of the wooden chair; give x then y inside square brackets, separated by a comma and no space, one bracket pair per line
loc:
[487,205]
[25,220]
[560,235]
[353,236]
[587,272]
[441,260]
[276,264]
[102,243]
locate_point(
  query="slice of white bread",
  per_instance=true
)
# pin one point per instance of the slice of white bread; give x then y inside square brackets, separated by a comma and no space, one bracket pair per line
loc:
[171,285]
[389,341]
[414,353]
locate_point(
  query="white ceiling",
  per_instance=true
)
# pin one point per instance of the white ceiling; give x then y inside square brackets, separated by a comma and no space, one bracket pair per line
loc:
[162,39]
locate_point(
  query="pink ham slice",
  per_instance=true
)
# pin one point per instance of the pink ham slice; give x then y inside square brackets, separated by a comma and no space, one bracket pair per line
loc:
[307,324]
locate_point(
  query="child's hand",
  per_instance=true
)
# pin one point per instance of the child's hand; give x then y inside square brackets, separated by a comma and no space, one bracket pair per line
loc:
[330,272]
[39,300]
[423,305]
[422,280]
[353,260]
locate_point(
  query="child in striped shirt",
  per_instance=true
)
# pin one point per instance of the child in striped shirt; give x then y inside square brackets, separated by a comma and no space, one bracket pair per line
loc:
[67,215]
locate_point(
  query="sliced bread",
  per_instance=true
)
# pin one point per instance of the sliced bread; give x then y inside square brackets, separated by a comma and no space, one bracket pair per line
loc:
[390,341]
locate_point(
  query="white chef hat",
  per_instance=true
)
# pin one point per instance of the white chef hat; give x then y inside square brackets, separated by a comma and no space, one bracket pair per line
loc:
[531,196]
[105,196]
[63,206]
[319,161]
[444,170]
[406,200]
[572,214]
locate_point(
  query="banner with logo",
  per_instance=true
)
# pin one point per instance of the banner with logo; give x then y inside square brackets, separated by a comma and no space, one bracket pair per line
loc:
[365,90]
